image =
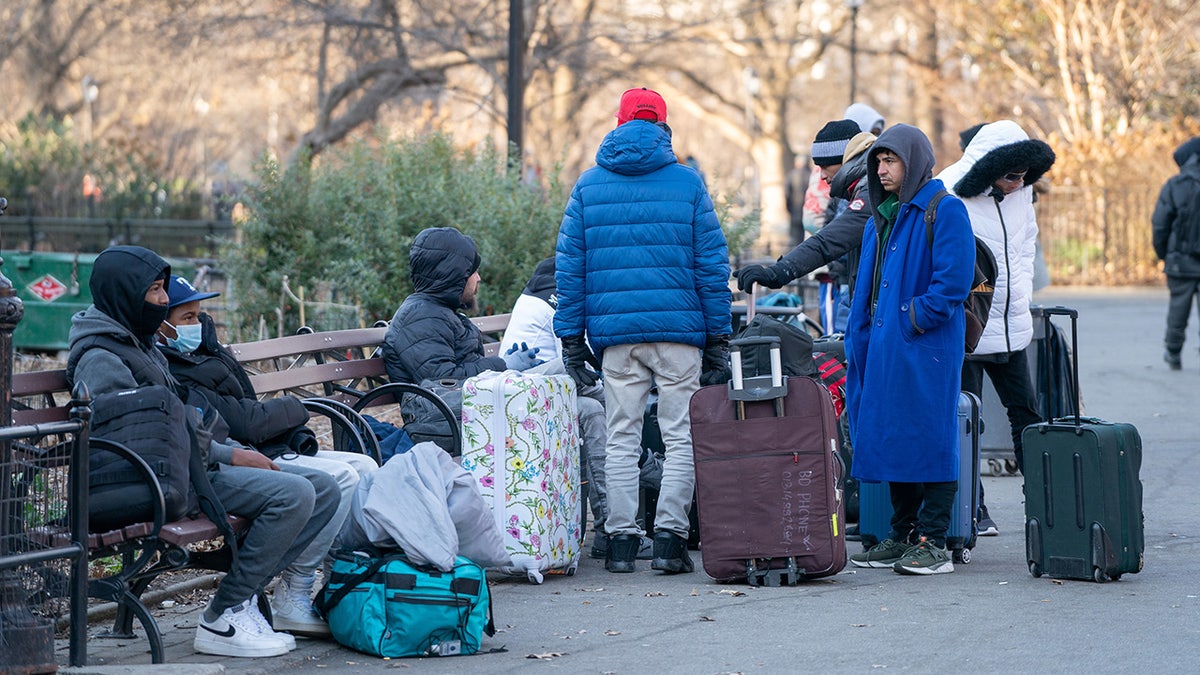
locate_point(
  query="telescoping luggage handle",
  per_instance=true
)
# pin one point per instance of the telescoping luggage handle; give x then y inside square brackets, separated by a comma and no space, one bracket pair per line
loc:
[772,386]
[1047,312]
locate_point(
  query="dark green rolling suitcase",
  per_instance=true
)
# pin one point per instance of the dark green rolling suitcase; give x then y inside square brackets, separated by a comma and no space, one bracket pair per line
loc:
[1083,496]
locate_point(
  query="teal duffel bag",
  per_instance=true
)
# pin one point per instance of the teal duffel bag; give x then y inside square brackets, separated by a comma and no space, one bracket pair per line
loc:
[381,604]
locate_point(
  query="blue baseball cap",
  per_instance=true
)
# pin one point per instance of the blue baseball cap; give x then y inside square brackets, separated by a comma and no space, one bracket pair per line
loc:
[180,290]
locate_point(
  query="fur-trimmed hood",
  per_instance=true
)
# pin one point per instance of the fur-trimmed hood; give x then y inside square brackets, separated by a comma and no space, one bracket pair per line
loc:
[998,148]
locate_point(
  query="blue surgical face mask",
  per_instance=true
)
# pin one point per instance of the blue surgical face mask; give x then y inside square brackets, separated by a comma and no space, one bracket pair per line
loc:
[187,337]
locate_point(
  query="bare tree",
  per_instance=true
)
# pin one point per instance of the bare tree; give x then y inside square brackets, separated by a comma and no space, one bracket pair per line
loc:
[1088,71]
[740,75]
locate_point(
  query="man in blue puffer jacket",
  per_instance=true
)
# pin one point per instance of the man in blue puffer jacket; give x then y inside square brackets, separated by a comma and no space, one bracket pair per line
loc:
[643,271]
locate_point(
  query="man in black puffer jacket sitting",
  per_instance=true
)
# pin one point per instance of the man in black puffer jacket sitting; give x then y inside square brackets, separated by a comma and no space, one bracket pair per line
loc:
[274,427]
[429,337]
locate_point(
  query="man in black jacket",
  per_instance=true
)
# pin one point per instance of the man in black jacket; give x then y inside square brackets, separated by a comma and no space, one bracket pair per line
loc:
[275,427]
[840,236]
[1176,222]
[429,337]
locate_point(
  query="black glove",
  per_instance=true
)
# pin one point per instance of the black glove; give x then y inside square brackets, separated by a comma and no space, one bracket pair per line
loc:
[714,367]
[773,276]
[576,356]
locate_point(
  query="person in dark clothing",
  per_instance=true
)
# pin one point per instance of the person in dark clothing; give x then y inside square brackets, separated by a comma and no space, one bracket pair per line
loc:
[1176,223]
[275,427]
[429,338]
[112,349]
[841,236]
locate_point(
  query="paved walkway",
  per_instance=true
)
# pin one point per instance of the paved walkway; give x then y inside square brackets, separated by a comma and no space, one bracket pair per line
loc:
[989,616]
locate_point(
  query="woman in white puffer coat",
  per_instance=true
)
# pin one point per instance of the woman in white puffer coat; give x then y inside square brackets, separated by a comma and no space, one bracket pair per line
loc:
[994,179]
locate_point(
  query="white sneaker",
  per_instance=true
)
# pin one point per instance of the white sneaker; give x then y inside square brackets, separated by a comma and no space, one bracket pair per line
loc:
[265,625]
[237,633]
[293,612]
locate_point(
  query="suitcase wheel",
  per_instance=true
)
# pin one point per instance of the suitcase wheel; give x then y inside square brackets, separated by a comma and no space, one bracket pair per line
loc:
[962,555]
[995,467]
[1098,575]
[1010,465]
[1035,569]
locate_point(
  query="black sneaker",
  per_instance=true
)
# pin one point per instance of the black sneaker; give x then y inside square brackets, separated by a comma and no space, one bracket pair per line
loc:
[622,552]
[1173,360]
[671,553]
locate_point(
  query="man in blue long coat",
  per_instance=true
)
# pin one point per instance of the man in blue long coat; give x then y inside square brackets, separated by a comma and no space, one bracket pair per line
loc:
[904,348]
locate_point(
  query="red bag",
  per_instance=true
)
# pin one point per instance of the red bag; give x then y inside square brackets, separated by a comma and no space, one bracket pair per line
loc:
[832,373]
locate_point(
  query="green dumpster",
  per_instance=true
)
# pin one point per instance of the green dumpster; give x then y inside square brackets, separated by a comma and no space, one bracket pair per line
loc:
[53,287]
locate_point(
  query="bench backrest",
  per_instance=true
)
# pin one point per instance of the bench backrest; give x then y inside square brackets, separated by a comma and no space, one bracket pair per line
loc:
[339,364]
[45,385]
[330,363]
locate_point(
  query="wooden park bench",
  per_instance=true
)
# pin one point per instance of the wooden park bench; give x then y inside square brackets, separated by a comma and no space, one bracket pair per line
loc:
[330,371]
[146,549]
[342,370]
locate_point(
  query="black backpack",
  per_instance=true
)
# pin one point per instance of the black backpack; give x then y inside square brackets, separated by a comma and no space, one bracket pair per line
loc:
[172,436]
[978,304]
[795,347]
[1187,225]
[152,422]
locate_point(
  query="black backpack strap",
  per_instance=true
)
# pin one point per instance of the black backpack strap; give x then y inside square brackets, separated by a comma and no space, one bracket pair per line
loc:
[211,505]
[325,605]
[931,214]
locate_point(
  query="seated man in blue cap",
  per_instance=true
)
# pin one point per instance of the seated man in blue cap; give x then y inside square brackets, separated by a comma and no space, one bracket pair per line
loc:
[275,427]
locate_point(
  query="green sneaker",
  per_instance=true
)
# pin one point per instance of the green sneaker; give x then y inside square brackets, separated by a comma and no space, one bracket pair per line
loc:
[883,554]
[925,558]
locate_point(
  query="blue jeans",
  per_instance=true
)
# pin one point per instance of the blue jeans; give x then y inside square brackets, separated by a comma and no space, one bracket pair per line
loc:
[843,309]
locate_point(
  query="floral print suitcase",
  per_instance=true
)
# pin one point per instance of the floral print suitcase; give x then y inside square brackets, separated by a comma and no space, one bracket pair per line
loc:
[521,443]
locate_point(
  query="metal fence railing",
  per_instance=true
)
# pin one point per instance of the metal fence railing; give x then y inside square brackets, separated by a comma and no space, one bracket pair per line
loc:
[43,520]
[1098,237]
[168,238]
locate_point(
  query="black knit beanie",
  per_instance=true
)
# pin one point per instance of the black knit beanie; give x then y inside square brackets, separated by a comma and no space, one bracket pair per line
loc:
[830,143]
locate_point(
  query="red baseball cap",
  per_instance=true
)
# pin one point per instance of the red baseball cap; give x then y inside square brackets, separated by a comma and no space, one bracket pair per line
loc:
[641,104]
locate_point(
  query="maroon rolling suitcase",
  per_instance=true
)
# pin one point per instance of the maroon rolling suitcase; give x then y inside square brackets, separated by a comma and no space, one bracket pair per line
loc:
[767,472]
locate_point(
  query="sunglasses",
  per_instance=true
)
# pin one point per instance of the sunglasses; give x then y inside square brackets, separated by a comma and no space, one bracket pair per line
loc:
[1014,176]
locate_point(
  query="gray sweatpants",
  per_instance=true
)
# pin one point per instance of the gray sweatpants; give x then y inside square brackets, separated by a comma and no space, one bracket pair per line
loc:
[288,509]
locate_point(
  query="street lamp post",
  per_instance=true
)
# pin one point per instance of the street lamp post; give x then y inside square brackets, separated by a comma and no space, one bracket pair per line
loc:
[853,5]
[516,83]
[91,91]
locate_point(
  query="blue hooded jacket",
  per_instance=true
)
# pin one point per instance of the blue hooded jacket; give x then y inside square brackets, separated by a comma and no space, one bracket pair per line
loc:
[641,256]
[904,339]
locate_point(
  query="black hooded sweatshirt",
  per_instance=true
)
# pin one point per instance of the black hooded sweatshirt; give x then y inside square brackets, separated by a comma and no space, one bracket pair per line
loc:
[214,372]
[119,323]
[841,235]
